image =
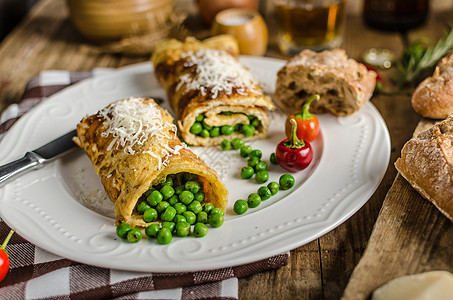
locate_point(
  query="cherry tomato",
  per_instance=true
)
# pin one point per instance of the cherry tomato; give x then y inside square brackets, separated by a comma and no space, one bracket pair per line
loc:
[294,154]
[4,259]
[307,123]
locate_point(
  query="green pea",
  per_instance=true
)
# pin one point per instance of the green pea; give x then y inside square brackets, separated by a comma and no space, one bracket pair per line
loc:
[150,215]
[152,230]
[214,132]
[216,211]
[191,218]
[168,214]
[261,176]
[186,197]
[256,153]
[202,217]
[162,206]
[206,126]
[180,208]
[199,197]
[240,207]
[254,200]
[196,128]
[199,118]
[134,235]
[168,181]
[167,191]
[256,123]
[148,192]
[273,159]
[253,161]
[164,236]
[248,130]
[247,172]
[179,189]
[208,207]
[245,151]
[200,230]
[237,127]
[216,220]
[182,229]
[154,198]
[169,225]
[142,206]
[122,230]
[273,187]
[237,143]
[262,165]
[179,218]
[205,133]
[192,186]
[264,192]
[225,145]
[173,200]
[195,207]
[226,129]
[286,181]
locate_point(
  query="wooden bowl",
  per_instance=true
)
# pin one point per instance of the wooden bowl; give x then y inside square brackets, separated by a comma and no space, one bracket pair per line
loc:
[107,20]
[247,26]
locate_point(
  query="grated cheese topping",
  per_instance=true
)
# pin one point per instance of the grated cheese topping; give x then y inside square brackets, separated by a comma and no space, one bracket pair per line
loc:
[132,122]
[217,71]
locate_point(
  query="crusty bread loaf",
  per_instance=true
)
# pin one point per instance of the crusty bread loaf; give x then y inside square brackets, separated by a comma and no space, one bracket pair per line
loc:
[343,84]
[427,164]
[433,97]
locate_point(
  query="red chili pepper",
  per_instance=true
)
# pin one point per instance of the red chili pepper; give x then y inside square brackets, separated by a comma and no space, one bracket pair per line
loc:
[4,259]
[294,154]
[307,123]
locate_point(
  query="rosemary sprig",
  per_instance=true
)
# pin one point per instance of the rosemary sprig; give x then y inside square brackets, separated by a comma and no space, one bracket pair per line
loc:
[419,57]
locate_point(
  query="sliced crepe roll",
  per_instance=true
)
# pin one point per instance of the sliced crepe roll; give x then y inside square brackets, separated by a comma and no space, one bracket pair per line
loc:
[133,146]
[213,96]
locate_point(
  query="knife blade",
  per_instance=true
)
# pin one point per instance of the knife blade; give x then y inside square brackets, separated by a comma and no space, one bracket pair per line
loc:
[37,158]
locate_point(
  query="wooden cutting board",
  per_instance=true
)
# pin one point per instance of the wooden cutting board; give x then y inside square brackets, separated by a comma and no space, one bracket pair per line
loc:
[410,236]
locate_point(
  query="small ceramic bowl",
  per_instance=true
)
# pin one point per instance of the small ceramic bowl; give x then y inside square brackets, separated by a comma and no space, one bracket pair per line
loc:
[247,26]
[209,8]
[107,20]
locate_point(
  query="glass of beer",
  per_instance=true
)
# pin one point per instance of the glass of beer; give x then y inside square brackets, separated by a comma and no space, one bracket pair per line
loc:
[309,24]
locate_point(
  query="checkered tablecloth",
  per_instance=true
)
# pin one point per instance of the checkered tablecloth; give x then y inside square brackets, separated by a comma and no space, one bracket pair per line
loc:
[37,274]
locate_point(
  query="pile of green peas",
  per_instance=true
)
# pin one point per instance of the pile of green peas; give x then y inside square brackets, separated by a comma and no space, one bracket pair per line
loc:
[285,182]
[255,166]
[177,203]
[200,128]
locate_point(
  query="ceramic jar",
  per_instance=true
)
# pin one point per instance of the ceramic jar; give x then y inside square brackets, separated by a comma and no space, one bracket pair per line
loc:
[104,20]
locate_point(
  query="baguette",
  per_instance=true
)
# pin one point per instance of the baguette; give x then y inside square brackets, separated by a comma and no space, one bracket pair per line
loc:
[426,162]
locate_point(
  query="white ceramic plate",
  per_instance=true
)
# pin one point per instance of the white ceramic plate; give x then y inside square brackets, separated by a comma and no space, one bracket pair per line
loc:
[63,209]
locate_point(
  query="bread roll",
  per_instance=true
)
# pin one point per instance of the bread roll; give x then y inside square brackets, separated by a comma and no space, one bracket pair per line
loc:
[433,97]
[343,84]
[426,162]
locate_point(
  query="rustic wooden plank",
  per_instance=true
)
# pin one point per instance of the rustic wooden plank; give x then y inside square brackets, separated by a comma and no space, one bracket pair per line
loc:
[410,236]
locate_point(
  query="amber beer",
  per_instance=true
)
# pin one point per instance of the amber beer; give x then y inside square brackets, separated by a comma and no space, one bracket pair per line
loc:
[313,24]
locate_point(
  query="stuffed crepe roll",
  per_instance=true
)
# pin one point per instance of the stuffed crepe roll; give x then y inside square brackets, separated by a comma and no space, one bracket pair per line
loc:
[133,146]
[213,96]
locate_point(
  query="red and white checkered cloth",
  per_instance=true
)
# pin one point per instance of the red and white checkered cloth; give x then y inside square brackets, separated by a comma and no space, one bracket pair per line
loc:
[37,274]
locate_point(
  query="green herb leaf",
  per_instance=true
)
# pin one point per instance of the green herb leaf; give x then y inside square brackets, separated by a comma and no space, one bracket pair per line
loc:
[419,57]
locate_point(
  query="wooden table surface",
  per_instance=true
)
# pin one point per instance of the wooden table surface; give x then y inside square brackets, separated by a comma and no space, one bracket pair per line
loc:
[395,233]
